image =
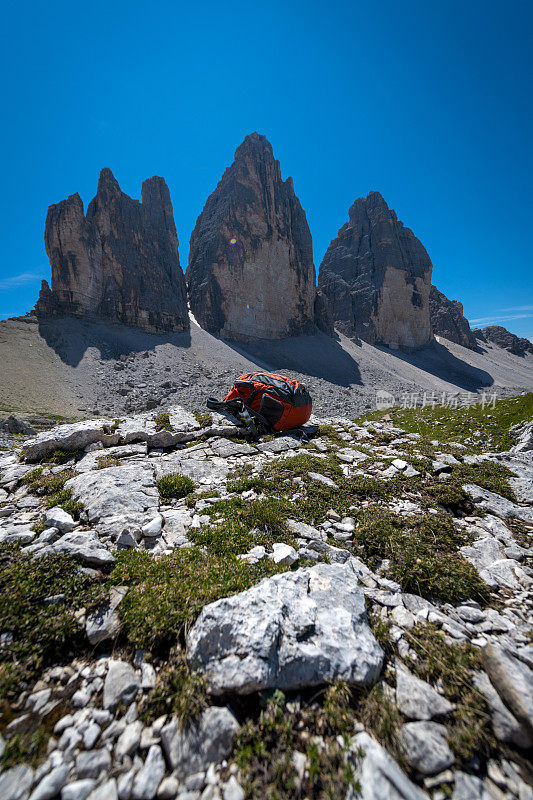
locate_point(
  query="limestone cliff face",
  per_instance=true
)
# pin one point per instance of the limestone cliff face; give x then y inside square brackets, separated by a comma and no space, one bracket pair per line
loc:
[376,276]
[120,261]
[251,272]
[447,320]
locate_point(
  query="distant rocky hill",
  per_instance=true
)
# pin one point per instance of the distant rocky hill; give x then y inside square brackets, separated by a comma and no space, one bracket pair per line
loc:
[448,321]
[251,272]
[376,276]
[505,339]
[119,261]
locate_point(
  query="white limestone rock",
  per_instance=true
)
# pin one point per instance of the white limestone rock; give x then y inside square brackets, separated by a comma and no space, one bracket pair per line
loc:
[121,684]
[208,740]
[296,629]
[416,699]
[377,773]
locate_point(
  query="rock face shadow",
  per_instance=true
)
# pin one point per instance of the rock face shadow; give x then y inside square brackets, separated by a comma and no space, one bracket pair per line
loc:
[70,338]
[320,356]
[439,361]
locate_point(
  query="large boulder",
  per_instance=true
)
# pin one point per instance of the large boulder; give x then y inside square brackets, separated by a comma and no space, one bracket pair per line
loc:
[119,261]
[116,497]
[448,321]
[376,276]
[251,273]
[293,630]
[70,437]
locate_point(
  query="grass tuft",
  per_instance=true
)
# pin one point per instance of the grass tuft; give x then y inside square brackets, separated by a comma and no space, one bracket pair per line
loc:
[204,420]
[452,668]
[175,485]
[178,691]
[423,554]
[162,422]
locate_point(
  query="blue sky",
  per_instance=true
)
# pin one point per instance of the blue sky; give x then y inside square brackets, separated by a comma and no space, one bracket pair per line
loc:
[428,103]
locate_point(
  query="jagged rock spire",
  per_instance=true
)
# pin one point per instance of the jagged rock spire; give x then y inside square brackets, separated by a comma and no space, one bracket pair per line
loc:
[251,272]
[376,276]
[120,261]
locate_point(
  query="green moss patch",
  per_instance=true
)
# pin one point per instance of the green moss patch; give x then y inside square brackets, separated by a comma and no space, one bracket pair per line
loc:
[478,428]
[39,631]
[265,747]
[47,483]
[162,422]
[166,595]
[28,748]
[178,691]
[422,552]
[204,420]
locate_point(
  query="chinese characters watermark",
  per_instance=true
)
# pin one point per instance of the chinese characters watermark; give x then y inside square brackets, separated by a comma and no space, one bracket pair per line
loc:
[419,399]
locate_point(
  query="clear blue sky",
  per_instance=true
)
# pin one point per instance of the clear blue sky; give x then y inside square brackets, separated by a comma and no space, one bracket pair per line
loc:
[429,103]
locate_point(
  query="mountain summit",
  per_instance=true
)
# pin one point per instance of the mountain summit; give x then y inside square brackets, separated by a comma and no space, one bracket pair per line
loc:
[120,261]
[251,272]
[376,276]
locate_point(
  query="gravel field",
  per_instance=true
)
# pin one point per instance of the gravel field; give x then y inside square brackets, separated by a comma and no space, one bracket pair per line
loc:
[74,368]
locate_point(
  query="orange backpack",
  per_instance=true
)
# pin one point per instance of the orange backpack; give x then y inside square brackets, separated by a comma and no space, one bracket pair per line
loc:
[266,402]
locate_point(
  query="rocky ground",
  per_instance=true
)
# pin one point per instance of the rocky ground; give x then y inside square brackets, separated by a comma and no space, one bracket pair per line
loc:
[75,368]
[185,613]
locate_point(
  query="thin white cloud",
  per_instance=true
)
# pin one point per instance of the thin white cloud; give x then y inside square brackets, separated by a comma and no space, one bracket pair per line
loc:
[22,279]
[482,321]
[519,308]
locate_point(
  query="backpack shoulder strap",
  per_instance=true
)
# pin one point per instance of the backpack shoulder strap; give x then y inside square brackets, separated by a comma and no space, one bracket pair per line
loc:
[238,410]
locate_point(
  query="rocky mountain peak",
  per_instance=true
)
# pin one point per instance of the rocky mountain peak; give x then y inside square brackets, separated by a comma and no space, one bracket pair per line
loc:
[119,261]
[251,273]
[107,182]
[448,321]
[376,276]
[500,336]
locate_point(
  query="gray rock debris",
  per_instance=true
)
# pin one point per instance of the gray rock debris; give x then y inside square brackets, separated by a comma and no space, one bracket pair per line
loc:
[297,629]
[104,623]
[123,493]
[506,727]
[206,741]
[378,774]
[426,747]
[305,531]
[416,699]
[469,787]
[147,780]
[56,517]
[143,428]
[78,790]
[513,681]
[91,763]
[82,544]
[106,791]
[129,739]
[51,784]
[121,684]
[523,435]
[200,471]
[15,783]
[500,506]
